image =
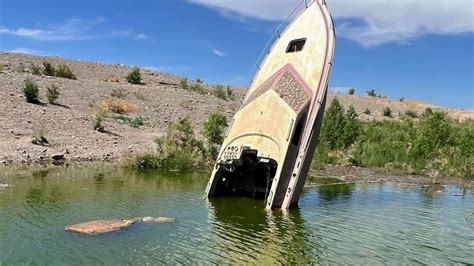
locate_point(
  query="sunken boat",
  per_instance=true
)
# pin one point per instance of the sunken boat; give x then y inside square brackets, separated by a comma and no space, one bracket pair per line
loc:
[270,143]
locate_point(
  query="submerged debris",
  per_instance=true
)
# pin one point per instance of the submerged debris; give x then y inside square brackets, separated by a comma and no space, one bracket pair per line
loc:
[4,186]
[106,226]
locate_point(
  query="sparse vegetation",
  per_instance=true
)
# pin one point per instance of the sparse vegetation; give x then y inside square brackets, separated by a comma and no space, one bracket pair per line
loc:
[351,91]
[118,106]
[39,138]
[387,112]
[136,122]
[198,80]
[433,145]
[401,99]
[98,118]
[197,87]
[179,149]
[220,93]
[134,77]
[230,94]
[411,113]
[48,69]
[31,91]
[118,93]
[371,93]
[52,94]
[367,111]
[184,84]
[63,71]
[35,70]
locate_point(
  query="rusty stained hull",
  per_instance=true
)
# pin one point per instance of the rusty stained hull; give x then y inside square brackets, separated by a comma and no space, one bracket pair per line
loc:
[278,124]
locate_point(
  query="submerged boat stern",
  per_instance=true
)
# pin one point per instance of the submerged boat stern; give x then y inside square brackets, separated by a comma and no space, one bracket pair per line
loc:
[268,148]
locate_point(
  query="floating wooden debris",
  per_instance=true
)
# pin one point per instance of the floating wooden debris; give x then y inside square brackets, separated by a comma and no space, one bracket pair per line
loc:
[105,226]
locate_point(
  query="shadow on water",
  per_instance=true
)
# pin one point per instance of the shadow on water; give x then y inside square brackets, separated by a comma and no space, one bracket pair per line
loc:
[248,232]
[335,192]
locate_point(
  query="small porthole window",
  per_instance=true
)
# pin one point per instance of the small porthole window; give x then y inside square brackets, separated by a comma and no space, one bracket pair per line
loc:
[296,45]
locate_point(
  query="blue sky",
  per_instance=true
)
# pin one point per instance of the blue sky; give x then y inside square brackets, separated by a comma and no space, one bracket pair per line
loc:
[415,49]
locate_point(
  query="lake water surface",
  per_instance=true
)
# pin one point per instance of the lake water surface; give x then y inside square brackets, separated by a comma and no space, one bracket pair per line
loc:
[348,223]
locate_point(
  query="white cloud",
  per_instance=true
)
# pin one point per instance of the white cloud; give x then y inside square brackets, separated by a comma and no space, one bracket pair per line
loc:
[141,36]
[22,50]
[368,22]
[218,52]
[71,30]
[340,89]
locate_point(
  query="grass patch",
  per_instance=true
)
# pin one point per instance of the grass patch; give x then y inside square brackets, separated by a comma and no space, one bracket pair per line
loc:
[118,106]
[135,122]
[411,113]
[35,70]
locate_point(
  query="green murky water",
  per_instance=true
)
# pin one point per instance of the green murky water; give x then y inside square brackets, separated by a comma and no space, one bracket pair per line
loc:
[346,223]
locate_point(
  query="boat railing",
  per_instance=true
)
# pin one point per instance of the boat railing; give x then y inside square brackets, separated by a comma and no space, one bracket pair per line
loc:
[303,4]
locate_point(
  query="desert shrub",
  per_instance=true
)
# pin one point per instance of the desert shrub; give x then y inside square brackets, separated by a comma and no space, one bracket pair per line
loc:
[198,80]
[63,71]
[213,131]
[39,138]
[31,91]
[118,106]
[52,94]
[401,99]
[35,70]
[371,93]
[134,77]
[230,93]
[118,93]
[2,67]
[367,111]
[219,92]
[411,113]
[351,91]
[184,84]
[387,112]
[48,69]
[178,149]
[98,118]
[197,87]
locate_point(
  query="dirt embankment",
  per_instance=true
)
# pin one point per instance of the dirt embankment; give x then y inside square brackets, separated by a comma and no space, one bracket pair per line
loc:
[68,125]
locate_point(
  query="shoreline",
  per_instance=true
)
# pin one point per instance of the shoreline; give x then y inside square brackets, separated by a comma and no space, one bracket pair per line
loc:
[347,174]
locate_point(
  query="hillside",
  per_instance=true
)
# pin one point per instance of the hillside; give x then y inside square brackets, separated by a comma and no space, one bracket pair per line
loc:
[161,100]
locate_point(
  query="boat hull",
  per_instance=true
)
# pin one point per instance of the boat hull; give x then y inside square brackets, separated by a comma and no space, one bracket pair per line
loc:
[268,149]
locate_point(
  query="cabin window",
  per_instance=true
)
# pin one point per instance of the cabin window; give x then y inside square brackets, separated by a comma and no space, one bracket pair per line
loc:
[296,45]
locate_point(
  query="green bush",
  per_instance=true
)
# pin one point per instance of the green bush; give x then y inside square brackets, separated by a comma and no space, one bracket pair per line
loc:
[52,94]
[134,77]
[432,144]
[48,69]
[198,80]
[371,93]
[31,91]
[98,119]
[63,71]
[213,131]
[220,93]
[197,87]
[136,122]
[387,112]
[351,91]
